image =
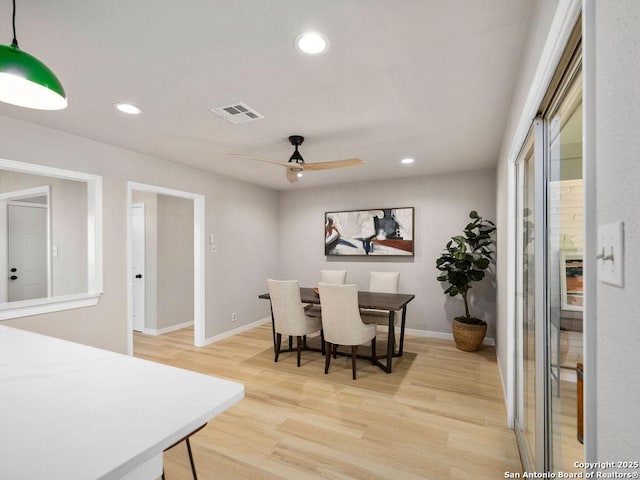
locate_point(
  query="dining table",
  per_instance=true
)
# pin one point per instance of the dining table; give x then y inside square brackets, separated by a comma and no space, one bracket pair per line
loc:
[387,302]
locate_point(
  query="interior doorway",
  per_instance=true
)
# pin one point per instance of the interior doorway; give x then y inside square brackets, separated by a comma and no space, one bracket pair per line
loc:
[175,263]
[25,244]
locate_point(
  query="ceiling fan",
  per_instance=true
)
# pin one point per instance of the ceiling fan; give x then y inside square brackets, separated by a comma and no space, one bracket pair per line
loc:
[296,164]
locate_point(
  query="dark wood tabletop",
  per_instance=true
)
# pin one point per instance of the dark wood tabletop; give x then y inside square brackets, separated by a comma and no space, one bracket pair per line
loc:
[373,300]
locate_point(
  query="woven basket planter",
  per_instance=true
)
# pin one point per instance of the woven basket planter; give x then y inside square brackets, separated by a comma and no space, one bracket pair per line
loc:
[468,337]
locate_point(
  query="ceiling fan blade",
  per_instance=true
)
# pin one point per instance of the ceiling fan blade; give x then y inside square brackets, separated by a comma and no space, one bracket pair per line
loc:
[350,162]
[284,164]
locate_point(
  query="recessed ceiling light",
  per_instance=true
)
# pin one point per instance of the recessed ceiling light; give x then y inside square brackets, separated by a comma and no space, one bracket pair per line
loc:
[311,43]
[300,175]
[407,161]
[128,108]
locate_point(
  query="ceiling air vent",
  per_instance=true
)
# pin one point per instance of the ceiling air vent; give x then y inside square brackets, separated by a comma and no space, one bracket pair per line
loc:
[237,113]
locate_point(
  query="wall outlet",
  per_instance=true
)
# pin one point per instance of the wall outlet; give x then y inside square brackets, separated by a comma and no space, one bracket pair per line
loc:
[234,316]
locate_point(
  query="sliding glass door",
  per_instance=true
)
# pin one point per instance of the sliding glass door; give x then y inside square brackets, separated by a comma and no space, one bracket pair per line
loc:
[549,281]
[525,424]
[565,234]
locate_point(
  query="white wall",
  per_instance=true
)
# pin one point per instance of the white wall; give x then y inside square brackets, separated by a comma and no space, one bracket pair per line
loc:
[240,216]
[442,205]
[175,261]
[617,143]
[542,14]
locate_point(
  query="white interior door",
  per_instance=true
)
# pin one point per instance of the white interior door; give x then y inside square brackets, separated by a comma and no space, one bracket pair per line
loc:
[137,260]
[27,252]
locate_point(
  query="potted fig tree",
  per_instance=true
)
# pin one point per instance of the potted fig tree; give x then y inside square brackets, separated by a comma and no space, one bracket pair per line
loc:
[464,261]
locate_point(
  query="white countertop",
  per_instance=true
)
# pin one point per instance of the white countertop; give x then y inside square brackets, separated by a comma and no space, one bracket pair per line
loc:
[69,411]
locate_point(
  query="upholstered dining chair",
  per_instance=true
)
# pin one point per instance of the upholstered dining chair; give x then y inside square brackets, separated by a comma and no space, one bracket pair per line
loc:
[327,276]
[333,276]
[382,282]
[341,322]
[289,318]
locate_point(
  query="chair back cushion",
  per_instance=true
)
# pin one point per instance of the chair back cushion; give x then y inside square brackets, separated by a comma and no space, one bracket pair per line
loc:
[333,276]
[341,320]
[384,282]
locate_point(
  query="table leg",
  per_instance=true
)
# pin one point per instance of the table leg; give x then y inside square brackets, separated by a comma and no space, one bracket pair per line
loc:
[391,340]
[404,319]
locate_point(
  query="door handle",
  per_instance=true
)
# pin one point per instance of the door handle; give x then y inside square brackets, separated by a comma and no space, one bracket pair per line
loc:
[13,277]
[139,275]
[14,269]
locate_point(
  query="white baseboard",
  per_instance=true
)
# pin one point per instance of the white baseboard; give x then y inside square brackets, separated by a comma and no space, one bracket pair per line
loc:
[235,331]
[172,328]
[432,334]
[407,331]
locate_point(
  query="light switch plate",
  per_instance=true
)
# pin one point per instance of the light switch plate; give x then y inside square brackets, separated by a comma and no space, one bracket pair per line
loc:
[611,254]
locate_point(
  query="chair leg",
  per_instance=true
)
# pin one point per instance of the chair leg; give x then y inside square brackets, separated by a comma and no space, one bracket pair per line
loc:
[304,341]
[354,348]
[298,348]
[278,341]
[324,351]
[327,360]
[373,350]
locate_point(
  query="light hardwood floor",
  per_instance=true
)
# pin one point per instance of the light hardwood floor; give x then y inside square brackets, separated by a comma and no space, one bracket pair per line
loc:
[439,415]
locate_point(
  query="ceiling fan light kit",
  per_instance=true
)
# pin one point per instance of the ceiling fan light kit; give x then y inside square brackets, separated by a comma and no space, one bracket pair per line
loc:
[27,82]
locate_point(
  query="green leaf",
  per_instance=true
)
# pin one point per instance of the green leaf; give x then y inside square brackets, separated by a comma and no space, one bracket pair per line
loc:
[482,263]
[476,275]
[473,214]
[442,278]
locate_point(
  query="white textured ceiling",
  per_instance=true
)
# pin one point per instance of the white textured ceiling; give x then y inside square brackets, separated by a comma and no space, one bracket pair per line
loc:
[431,79]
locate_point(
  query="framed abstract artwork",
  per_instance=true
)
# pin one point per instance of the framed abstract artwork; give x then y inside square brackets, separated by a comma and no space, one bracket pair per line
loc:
[383,231]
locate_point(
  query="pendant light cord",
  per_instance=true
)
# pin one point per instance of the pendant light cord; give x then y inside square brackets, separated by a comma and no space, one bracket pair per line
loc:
[14,43]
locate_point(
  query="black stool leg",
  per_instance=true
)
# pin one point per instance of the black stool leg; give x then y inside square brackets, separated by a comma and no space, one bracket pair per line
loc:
[186,439]
[193,465]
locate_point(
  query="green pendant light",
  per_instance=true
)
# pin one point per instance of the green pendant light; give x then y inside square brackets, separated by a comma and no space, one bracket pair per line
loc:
[27,82]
